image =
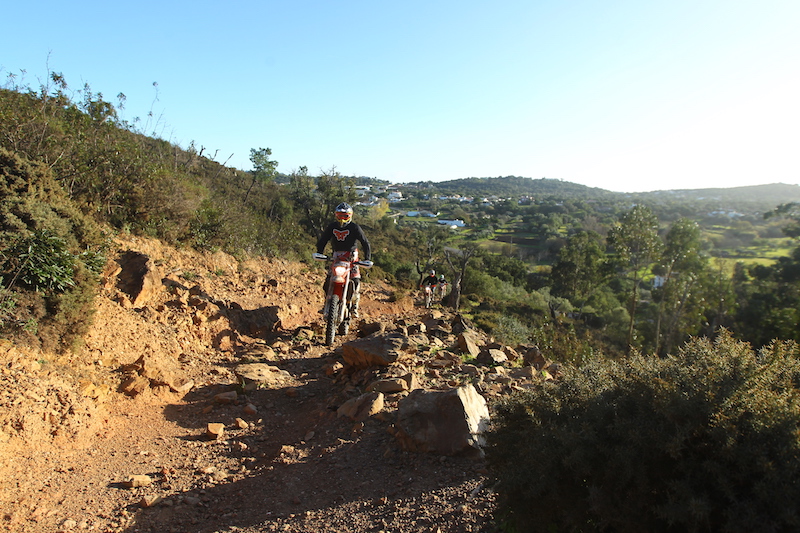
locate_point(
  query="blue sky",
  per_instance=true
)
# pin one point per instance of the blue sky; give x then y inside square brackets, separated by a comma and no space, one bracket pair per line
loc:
[622,95]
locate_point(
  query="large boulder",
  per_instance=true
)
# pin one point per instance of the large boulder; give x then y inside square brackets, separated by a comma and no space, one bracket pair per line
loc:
[532,356]
[444,422]
[375,350]
[150,371]
[138,277]
[254,322]
[468,343]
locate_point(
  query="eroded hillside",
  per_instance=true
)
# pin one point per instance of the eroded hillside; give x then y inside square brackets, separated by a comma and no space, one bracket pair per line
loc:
[151,426]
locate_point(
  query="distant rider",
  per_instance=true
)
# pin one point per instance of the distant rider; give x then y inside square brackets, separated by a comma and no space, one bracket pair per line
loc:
[344,234]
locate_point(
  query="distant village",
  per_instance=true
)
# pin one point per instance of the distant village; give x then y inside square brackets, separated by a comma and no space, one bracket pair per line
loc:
[370,196]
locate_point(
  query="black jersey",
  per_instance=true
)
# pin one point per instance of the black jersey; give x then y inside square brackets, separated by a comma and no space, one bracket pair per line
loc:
[344,239]
[430,280]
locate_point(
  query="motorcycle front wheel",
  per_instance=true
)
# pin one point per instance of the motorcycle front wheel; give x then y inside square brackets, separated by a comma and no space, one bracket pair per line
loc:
[330,320]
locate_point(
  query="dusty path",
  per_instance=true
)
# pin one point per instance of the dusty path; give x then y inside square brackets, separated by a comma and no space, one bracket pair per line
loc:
[294,467]
[285,461]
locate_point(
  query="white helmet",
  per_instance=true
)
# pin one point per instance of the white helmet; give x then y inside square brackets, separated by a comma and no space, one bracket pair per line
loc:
[344,213]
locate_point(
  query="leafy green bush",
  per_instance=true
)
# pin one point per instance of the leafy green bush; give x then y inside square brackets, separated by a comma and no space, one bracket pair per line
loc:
[511,331]
[50,255]
[704,441]
[562,342]
[486,320]
[41,261]
[482,285]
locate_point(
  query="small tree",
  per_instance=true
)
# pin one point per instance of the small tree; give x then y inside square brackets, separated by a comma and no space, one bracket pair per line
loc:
[635,241]
[263,168]
[459,259]
[428,249]
[581,268]
[680,269]
[317,197]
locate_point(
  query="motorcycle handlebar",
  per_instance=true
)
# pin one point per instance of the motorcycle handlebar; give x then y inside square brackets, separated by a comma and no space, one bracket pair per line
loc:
[323,257]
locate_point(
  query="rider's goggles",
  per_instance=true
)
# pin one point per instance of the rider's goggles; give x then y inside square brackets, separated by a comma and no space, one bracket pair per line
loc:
[342,215]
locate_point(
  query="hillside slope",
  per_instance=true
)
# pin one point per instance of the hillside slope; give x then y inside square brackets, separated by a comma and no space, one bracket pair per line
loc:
[158,367]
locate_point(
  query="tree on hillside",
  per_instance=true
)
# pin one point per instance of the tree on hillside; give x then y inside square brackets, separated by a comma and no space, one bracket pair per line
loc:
[768,300]
[581,268]
[680,269]
[428,249]
[791,211]
[379,210]
[768,296]
[263,168]
[458,259]
[634,240]
[317,197]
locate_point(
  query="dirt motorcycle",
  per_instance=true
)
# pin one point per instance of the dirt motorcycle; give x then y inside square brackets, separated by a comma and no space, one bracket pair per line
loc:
[339,298]
[428,295]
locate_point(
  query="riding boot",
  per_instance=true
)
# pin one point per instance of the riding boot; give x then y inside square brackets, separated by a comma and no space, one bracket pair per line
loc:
[354,305]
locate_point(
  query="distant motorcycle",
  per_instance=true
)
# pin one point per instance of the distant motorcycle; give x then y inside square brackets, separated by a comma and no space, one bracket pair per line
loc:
[338,300]
[440,290]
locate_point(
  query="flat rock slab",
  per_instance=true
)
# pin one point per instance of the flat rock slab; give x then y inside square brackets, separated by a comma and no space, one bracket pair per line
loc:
[376,350]
[264,375]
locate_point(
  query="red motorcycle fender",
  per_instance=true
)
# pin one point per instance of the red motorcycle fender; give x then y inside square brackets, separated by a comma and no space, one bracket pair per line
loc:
[338,290]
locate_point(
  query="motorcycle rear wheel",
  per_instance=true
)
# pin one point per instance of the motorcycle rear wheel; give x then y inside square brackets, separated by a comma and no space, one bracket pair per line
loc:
[330,320]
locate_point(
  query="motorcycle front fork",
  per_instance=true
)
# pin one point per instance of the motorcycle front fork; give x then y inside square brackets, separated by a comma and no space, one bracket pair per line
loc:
[350,298]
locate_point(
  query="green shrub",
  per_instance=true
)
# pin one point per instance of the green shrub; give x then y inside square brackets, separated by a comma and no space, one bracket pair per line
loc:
[704,441]
[206,228]
[562,342]
[511,331]
[41,261]
[50,255]
[486,321]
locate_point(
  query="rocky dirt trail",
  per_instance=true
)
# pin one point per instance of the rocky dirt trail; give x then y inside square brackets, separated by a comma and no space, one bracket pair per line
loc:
[152,426]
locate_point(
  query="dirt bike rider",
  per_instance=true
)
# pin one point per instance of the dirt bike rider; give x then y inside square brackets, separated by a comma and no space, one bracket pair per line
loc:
[343,234]
[431,280]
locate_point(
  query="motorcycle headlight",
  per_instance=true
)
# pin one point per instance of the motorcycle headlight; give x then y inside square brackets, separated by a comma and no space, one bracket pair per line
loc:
[340,271]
